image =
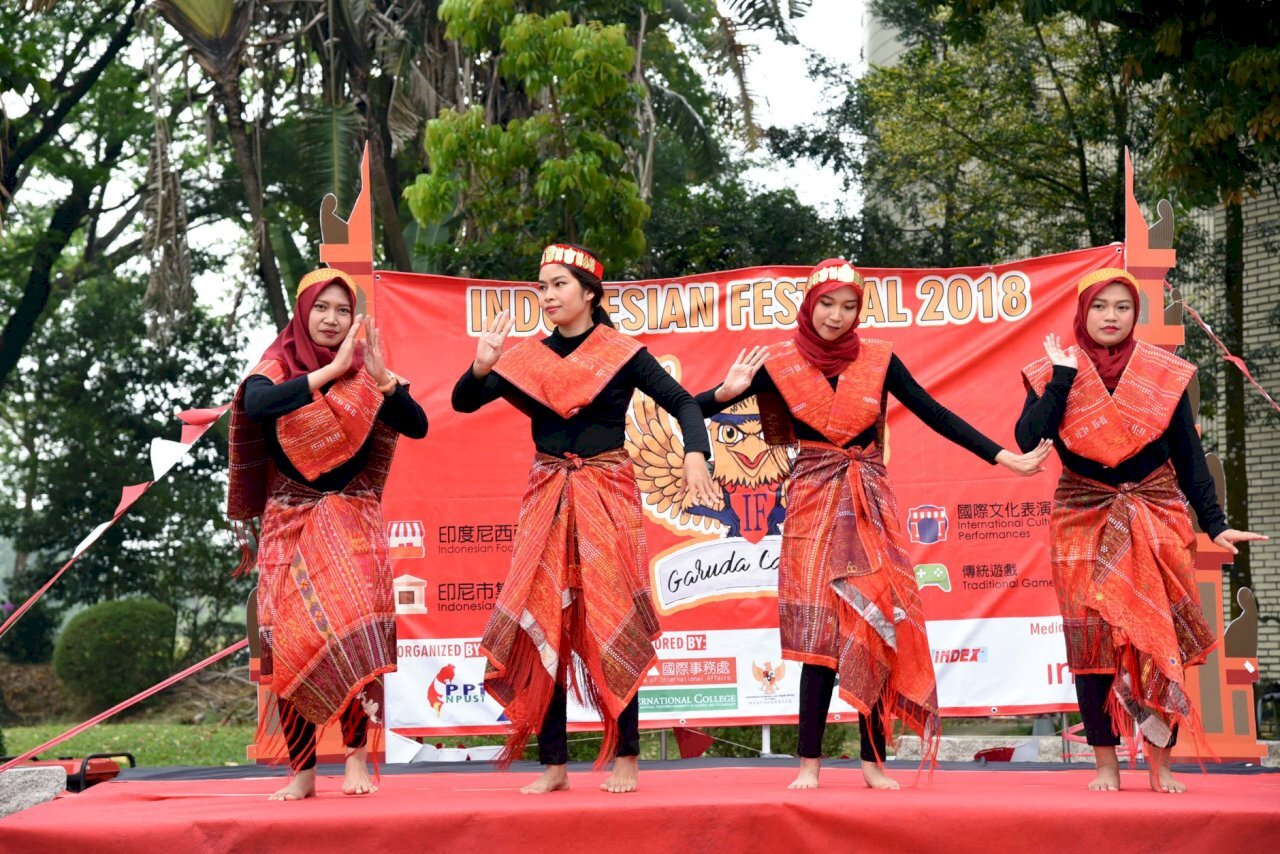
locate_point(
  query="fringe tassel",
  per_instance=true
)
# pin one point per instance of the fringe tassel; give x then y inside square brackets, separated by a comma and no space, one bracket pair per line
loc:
[533,689]
[248,535]
[585,681]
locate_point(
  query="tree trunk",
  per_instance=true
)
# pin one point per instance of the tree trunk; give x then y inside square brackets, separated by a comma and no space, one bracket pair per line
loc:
[1234,458]
[67,218]
[229,96]
[385,200]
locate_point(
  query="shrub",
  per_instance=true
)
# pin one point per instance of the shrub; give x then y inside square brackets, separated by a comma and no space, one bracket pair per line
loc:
[113,650]
[30,640]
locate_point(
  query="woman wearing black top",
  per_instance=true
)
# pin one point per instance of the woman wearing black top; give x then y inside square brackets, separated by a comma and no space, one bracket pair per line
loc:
[578,589]
[848,603]
[313,431]
[1122,546]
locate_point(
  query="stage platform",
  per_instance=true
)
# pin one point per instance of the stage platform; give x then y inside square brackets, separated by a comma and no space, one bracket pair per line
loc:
[689,805]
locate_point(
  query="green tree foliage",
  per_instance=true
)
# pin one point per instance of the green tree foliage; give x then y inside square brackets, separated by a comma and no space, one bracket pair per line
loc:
[76,425]
[1010,144]
[113,650]
[1216,66]
[559,173]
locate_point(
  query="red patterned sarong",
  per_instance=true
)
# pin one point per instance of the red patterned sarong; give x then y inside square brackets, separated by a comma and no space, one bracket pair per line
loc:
[1124,570]
[578,587]
[326,615]
[847,596]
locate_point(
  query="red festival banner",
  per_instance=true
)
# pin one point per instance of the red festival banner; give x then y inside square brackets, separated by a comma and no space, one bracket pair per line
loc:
[978,534]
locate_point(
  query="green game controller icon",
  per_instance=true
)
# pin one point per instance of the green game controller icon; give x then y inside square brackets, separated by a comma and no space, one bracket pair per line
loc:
[933,575]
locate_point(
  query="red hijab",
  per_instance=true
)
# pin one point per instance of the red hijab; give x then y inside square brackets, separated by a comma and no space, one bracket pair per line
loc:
[1110,361]
[830,357]
[293,347]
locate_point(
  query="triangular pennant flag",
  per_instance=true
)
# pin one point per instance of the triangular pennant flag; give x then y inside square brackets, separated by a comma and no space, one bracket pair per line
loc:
[92,538]
[199,417]
[128,495]
[165,454]
[692,742]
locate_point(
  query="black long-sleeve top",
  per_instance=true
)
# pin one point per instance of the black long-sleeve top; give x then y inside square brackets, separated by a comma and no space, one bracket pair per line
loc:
[899,382]
[265,401]
[1042,415]
[601,425]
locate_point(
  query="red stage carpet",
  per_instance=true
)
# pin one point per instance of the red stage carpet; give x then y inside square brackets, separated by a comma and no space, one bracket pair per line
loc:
[703,809]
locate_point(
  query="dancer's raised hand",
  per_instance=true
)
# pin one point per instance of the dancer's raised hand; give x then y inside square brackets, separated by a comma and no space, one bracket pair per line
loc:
[741,372]
[489,345]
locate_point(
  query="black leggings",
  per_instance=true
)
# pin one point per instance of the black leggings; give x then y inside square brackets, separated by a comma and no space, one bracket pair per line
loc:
[1092,690]
[816,684]
[553,738]
[300,733]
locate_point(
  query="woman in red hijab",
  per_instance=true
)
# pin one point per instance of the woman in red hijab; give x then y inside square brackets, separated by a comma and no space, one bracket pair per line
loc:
[1118,412]
[313,430]
[848,602]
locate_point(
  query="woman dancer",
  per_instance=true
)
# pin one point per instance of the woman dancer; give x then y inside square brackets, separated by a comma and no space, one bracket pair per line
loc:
[1122,547]
[578,586]
[313,431]
[848,604]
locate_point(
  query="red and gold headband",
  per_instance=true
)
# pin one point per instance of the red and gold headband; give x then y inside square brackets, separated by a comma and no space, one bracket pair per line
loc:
[835,270]
[1107,274]
[326,276]
[559,253]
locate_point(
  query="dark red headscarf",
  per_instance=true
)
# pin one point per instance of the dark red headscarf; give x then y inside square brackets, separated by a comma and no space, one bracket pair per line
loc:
[294,347]
[1110,361]
[830,357]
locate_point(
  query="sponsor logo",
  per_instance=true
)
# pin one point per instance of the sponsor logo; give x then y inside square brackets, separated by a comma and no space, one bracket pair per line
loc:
[769,676]
[444,690]
[963,655]
[411,594]
[406,540]
[927,524]
[933,575]
[692,671]
[689,700]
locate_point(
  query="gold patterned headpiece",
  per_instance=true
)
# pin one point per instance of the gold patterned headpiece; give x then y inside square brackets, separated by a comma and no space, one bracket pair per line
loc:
[559,253]
[835,270]
[1107,274]
[326,276]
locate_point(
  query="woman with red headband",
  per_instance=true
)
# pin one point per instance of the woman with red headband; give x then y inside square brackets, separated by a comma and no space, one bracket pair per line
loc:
[578,586]
[1122,547]
[848,603]
[313,430]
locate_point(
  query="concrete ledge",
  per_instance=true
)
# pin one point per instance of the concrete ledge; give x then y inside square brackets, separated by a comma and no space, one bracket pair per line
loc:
[25,787]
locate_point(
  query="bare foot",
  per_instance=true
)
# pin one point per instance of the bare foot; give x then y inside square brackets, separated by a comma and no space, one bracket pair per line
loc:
[808,777]
[303,785]
[554,779]
[623,779]
[1159,772]
[1108,765]
[355,778]
[875,778]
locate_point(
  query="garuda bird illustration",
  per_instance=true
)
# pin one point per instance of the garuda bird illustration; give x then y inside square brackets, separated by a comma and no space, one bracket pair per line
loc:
[749,472]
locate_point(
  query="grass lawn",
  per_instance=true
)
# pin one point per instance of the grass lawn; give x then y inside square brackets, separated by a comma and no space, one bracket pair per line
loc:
[150,743]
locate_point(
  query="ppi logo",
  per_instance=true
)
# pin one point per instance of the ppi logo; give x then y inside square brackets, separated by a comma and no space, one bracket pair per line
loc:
[927,524]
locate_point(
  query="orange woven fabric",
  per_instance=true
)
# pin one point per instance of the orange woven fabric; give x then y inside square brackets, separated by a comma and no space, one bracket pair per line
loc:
[1111,428]
[578,586]
[839,414]
[847,596]
[1124,570]
[565,384]
[326,613]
